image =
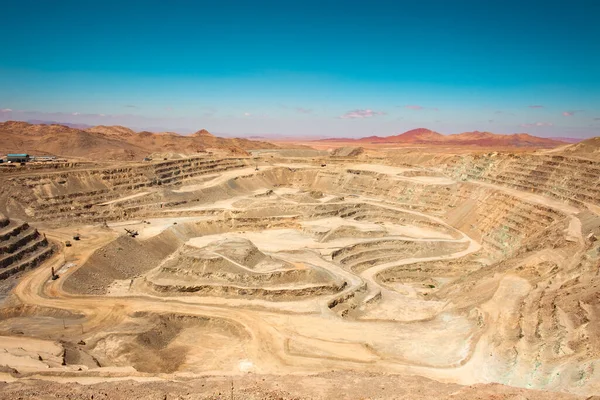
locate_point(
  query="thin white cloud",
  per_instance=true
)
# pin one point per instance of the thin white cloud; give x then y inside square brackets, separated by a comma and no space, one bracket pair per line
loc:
[6,110]
[536,106]
[358,114]
[247,114]
[304,110]
[416,107]
[75,113]
[534,124]
[571,113]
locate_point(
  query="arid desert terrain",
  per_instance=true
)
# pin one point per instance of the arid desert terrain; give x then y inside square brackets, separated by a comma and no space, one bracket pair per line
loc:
[250,271]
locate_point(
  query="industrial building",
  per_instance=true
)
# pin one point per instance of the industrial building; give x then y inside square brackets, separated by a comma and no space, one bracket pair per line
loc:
[17,158]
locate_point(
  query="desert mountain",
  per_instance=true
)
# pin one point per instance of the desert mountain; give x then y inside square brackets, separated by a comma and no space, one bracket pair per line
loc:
[22,137]
[114,130]
[589,148]
[202,133]
[112,142]
[475,138]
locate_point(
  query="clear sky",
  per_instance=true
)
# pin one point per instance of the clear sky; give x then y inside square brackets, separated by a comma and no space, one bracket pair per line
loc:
[323,68]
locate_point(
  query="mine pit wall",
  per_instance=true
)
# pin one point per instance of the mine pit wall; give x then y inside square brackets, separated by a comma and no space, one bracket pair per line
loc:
[503,223]
[21,247]
[552,330]
[571,179]
[500,221]
[249,292]
[77,194]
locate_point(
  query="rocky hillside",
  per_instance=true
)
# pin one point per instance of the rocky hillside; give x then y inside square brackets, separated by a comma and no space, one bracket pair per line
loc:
[475,138]
[589,148]
[112,142]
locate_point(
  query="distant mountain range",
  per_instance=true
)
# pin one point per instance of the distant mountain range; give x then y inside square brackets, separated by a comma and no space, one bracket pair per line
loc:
[475,138]
[567,139]
[69,124]
[113,142]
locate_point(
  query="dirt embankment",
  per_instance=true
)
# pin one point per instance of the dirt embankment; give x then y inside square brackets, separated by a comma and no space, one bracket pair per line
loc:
[329,386]
[123,258]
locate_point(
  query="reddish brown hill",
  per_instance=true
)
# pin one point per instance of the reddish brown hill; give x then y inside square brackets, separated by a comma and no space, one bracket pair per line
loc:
[203,133]
[22,137]
[114,130]
[112,142]
[417,136]
[476,138]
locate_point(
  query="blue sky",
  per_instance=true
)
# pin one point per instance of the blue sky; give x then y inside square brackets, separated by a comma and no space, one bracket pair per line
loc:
[322,68]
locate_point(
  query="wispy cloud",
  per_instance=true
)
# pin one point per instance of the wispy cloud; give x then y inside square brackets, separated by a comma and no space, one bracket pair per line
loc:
[5,110]
[536,106]
[503,113]
[534,124]
[596,119]
[416,107]
[304,110]
[129,106]
[247,114]
[490,121]
[571,113]
[357,114]
[75,113]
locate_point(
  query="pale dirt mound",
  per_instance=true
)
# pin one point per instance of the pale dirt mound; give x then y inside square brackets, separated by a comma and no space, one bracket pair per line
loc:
[236,267]
[349,231]
[234,256]
[244,252]
[121,259]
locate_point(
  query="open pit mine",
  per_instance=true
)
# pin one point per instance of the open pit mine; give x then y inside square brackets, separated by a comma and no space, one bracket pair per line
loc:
[438,275]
